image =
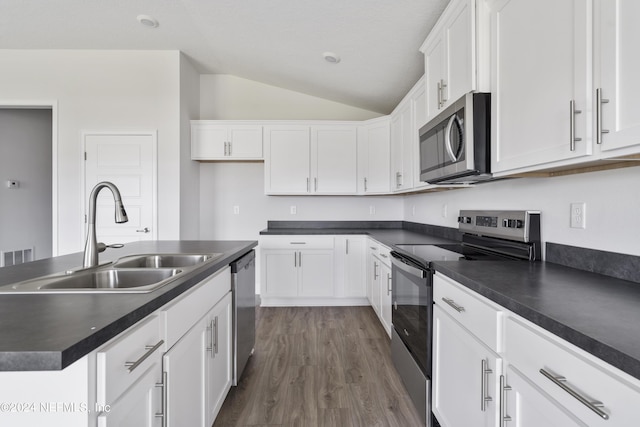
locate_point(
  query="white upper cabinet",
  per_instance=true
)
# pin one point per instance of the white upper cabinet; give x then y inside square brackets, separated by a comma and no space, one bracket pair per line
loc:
[403,147]
[541,88]
[450,54]
[287,168]
[319,159]
[334,159]
[215,140]
[616,72]
[373,157]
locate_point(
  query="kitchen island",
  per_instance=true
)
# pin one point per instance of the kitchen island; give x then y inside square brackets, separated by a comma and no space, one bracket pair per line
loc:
[51,331]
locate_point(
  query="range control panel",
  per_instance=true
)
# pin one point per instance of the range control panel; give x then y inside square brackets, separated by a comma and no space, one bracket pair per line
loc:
[521,226]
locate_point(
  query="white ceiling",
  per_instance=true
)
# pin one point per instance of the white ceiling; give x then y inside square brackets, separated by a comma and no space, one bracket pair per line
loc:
[277,42]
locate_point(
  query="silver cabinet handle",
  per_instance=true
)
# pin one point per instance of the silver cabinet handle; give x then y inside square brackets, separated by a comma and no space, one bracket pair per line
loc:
[307,185]
[560,381]
[503,403]
[229,147]
[315,184]
[144,230]
[295,259]
[572,125]
[163,386]
[151,348]
[599,101]
[388,284]
[442,86]
[215,335]
[375,270]
[297,243]
[455,306]
[384,255]
[398,180]
[347,246]
[373,248]
[365,184]
[299,259]
[439,95]
[484,394]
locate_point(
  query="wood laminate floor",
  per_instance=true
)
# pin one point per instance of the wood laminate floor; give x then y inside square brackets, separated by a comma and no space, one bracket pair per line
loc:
[319,366]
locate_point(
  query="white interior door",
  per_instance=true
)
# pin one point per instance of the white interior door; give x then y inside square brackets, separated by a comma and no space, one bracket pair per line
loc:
[127,159]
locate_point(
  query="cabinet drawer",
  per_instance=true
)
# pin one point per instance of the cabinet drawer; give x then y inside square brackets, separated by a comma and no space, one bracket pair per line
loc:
[141,344]
[384,255]
[477,314]
[181,314]
[296,242]
[531,349]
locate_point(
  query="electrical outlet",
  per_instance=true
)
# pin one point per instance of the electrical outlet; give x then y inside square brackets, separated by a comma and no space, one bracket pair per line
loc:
[293,210]
[578,215]
[236,210]
[372,210]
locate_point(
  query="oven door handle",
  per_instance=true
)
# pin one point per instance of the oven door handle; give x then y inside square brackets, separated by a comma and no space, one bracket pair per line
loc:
[418,272]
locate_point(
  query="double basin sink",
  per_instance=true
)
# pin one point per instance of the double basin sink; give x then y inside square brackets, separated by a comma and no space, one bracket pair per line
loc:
[130,274]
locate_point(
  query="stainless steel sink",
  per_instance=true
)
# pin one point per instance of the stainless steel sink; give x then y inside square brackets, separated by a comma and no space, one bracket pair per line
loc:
[164,260]
[105,280]
[130,274]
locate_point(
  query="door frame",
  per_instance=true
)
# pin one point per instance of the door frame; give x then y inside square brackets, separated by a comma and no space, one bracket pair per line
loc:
[154,172]
[45,104]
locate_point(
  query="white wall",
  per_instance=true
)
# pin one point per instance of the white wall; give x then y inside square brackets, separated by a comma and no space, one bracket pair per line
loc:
[227,97]
[102,90]
[189,170]
[612,206]
[25,155]
[225,185]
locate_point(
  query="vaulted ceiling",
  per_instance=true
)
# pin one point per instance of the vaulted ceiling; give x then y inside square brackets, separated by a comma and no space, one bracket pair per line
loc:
[277,42]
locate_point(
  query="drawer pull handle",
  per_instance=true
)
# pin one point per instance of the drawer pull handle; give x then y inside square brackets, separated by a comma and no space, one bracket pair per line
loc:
[455,306]
[133,365]
[484,394]
[503,403]
[384,256]
[163,386]
[298,243]
[560,381]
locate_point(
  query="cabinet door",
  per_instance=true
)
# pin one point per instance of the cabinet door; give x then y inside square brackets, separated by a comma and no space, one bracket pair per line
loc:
[279,272]
[355,283]
[402,148]
[460,51]
[245,142]
[385,298]
[375,286]
[334,159]
[315,273]
[434,69]
[287,151]
[619,65]
[208,141]
[373,158]
[461,381]
[527,406]
[218,362]
[184,366]
[138,406]
[536,71]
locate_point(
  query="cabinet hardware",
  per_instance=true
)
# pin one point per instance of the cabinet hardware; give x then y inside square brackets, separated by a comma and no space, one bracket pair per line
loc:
[560,381]
[307,185]
[599,101]
[439,95]
[398,180]
[455,306]
[375,270]
[144,230]
[347,246]
[373,248]
[211,339]
[229,147]
[365,184]
[572,125]
[163,386]
[384,256]
[315,184]
[215,335]
[388,284]
[484,398]
[503,404]
[151,348]
[442,86]
[299,259]
[298,243]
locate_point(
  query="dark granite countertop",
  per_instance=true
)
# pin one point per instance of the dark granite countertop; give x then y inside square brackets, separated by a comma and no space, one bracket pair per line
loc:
[595,312]
[50,332]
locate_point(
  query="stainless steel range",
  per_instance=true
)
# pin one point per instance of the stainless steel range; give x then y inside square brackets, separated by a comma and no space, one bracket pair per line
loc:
[487,235]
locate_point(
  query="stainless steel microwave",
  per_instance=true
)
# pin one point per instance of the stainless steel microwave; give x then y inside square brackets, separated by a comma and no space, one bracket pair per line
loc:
[455,145]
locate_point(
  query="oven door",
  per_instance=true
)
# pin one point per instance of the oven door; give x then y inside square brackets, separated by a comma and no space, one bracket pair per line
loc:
[412,314]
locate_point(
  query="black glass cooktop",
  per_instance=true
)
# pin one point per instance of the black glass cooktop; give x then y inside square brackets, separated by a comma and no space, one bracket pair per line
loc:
[424,254]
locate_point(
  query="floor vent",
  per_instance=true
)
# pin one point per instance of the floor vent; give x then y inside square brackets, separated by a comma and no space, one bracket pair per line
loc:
[20,256]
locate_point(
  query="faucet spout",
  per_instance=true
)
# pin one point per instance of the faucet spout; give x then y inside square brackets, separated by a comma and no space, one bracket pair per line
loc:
[91,245]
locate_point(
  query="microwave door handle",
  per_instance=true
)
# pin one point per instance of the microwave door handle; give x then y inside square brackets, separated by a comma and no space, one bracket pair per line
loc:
[447,138]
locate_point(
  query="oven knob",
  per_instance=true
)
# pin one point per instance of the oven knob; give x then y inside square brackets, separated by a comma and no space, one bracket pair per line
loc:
[505,222]
[464,219]
[512,223]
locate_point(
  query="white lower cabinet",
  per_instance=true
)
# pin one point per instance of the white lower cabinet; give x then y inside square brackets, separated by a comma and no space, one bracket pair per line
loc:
[379,282]
[198,369]
[465,370]
[350,277]
[385,297]
[529,377]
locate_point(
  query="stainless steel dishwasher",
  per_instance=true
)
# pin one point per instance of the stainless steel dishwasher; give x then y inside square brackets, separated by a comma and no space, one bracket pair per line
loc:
[243,287]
